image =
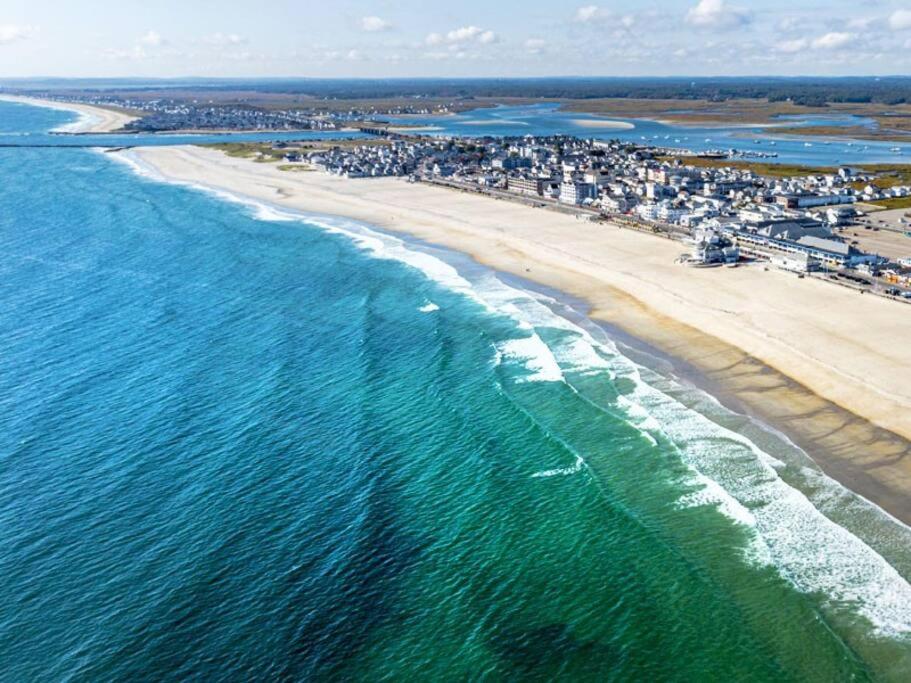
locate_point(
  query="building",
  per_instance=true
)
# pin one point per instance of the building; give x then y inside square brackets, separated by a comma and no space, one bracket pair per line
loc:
[575,192]
[669,213]
[710,247]
[647,211]
[526,185]
[810,200]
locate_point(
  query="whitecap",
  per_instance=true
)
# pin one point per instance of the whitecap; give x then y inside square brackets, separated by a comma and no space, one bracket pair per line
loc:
[728,472]
[535,356]
[575,468]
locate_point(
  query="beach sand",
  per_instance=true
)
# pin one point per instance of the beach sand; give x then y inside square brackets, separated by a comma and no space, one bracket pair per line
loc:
[603,123]
[828,367]
[91,119]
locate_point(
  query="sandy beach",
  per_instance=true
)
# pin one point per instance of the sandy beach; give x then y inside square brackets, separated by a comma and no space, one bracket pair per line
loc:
[825,365]
[605,124]
[91,119]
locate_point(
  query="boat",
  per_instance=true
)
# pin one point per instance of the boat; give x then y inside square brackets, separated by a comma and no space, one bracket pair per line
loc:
[808,144]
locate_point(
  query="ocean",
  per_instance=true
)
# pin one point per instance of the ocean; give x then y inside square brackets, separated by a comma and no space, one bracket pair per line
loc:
[238,443]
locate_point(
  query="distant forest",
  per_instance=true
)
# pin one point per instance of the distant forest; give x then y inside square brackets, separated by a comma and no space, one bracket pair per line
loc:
[803,91]
[806,92]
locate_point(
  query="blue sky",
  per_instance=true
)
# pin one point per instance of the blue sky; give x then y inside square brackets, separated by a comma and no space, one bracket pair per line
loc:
[336,38]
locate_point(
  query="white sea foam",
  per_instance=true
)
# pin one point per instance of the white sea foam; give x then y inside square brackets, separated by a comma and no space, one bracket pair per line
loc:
[535,355]
[388,247]
[82,124]
[575,468]
[729,472]
[788,531]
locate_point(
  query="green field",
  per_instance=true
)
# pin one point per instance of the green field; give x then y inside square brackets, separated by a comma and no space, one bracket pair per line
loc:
[896,203]
[760,168]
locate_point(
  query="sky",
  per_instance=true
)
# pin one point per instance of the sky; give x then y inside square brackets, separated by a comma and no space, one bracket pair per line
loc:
[460,38]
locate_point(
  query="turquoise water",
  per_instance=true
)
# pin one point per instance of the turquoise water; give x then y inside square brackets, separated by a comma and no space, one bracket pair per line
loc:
[55,134]
[243,444]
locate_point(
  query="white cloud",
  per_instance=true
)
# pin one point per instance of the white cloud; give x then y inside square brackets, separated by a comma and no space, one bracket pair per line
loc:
[465,34]
[717,14]
[862,23]
[792,46]
[10,33]
[789,24]
[224,39]
[134,54]
[375,24]
[349,55]
[462,34]
[244,56]
[900,20]
[832,41]
[590,13]
[152,39]
[534,46]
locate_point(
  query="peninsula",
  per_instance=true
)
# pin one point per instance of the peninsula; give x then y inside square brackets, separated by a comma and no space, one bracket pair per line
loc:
[92,118]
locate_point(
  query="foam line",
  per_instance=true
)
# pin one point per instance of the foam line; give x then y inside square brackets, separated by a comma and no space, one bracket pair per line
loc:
[728,472]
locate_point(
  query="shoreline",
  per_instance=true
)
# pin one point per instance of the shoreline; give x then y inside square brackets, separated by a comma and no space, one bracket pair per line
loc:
[785,352]
[91,119]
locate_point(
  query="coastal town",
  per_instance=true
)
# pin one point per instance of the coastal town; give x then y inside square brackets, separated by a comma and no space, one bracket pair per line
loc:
[170,114]
[816,224]
[726,209]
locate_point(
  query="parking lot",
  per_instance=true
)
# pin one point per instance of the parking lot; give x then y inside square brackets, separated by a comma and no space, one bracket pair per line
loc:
[883,233]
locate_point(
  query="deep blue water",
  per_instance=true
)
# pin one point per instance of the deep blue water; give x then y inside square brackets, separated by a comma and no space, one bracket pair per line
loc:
[241,444]
[547,119]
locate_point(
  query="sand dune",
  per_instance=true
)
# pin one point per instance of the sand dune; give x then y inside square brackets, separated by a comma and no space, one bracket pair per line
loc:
[603,123]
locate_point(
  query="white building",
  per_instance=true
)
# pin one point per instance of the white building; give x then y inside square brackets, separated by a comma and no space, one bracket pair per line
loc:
[574,192]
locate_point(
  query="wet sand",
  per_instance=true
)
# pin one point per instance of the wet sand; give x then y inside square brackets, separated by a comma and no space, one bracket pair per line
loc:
[91,119]
[823,364]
